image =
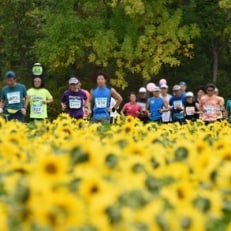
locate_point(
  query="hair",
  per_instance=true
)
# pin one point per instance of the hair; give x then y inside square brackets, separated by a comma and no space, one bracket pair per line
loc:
[42,82]
[201,88]
[101,74]
[212,85]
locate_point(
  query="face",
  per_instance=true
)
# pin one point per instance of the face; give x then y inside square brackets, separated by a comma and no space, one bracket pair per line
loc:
[156,93]
[210,91]
[142,95]
[164,91]
[11,82]
[101,81]
[74,86]
[183,87]
[177,92]
[132,98]
[37,82]
[200,93]
[189,99]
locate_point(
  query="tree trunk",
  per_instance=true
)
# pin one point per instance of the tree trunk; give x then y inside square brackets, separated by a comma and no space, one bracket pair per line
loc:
[215,65]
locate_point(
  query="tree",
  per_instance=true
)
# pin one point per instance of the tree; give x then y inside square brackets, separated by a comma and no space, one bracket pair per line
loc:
[127,37]
[20,27]
[215,26]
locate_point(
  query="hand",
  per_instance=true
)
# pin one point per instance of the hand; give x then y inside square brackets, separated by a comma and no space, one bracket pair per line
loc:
[23,111]
[64,106]
[1,110]
[44,102]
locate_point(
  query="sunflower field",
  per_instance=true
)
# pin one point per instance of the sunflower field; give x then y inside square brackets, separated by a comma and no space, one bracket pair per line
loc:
[69,175]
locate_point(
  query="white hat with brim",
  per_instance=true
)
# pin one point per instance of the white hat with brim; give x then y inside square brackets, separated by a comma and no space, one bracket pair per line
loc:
[73,80]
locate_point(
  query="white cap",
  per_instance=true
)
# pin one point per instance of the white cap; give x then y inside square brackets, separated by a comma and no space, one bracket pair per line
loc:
[164,86]
[142,90]
[176,88]
[189,94]
[73,80]
[156,89]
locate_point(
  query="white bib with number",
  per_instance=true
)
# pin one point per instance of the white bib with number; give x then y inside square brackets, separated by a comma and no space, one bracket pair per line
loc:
[101,102]
[190,110]
[13,97]
[178,104]
[74,102]
[37,109]
[209,109]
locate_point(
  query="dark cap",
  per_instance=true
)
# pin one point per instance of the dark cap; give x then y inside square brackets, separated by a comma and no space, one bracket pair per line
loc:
[10,74]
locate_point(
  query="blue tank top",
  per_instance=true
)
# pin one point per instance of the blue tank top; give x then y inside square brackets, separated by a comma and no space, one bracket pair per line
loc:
[101,101]
[155,104]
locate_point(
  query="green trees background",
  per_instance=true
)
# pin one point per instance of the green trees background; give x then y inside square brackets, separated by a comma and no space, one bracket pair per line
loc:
[132,41]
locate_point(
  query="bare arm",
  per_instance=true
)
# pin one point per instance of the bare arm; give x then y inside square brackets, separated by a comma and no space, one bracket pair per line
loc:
[117,97]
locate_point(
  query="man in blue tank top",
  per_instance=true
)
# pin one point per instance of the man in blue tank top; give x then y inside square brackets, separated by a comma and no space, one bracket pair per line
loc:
[100,99]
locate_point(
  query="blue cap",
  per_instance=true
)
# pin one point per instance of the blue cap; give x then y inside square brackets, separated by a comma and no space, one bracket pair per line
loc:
[183,83]
[10,74]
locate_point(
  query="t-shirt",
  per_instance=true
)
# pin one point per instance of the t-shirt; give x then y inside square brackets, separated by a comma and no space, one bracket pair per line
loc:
[175,102]
[74,101]
[166,116]
[132,109]
[190,110]
[209,105]
[14,96]
[155,104]
[38,109]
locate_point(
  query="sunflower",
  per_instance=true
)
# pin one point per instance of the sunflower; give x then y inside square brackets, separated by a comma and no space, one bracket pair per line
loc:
[52,168]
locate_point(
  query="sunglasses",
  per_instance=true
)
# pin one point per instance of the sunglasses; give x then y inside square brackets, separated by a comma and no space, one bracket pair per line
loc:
[210,90]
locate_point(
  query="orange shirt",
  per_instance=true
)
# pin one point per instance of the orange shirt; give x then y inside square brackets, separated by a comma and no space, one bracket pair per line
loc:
[209,106]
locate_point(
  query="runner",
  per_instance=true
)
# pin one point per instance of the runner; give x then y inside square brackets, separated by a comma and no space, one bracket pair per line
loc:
[220,114]
[209,105]
[142,100]
[190,108]
[183,86]
[74,99]
[113,111]
[100,99]
[39,98]
[228,110]
[166,116]
[155,106]
[132,108]
[14,99]
[177,104]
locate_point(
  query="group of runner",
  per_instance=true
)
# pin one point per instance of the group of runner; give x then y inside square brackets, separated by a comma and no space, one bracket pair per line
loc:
[179,107]
[153,102]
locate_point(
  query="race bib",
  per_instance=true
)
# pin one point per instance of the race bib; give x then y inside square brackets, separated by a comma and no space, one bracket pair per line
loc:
[13,97]
[190,110]
[101,102]
[74,102]
[177,104]
[209,109]
[37,109]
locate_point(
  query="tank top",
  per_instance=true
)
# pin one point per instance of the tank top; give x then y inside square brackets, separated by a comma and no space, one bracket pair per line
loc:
[101,102]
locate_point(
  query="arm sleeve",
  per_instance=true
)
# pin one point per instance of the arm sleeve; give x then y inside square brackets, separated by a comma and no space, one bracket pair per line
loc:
[48,95]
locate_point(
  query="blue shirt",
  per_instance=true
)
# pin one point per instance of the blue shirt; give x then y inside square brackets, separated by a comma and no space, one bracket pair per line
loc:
[101,102]
[177,101]
[14,96]
[155,104]
[228,107]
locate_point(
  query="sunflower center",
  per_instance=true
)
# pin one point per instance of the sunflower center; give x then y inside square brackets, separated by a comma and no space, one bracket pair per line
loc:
[94,189]
[51,168]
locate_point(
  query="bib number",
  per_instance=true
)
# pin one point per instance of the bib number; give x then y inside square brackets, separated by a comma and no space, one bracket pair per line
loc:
[101,102]
[74,103]
[209,110]
[37,109]
[190,110]
[13,97]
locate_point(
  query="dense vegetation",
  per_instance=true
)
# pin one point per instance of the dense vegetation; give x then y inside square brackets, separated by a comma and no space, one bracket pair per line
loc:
[133,41]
